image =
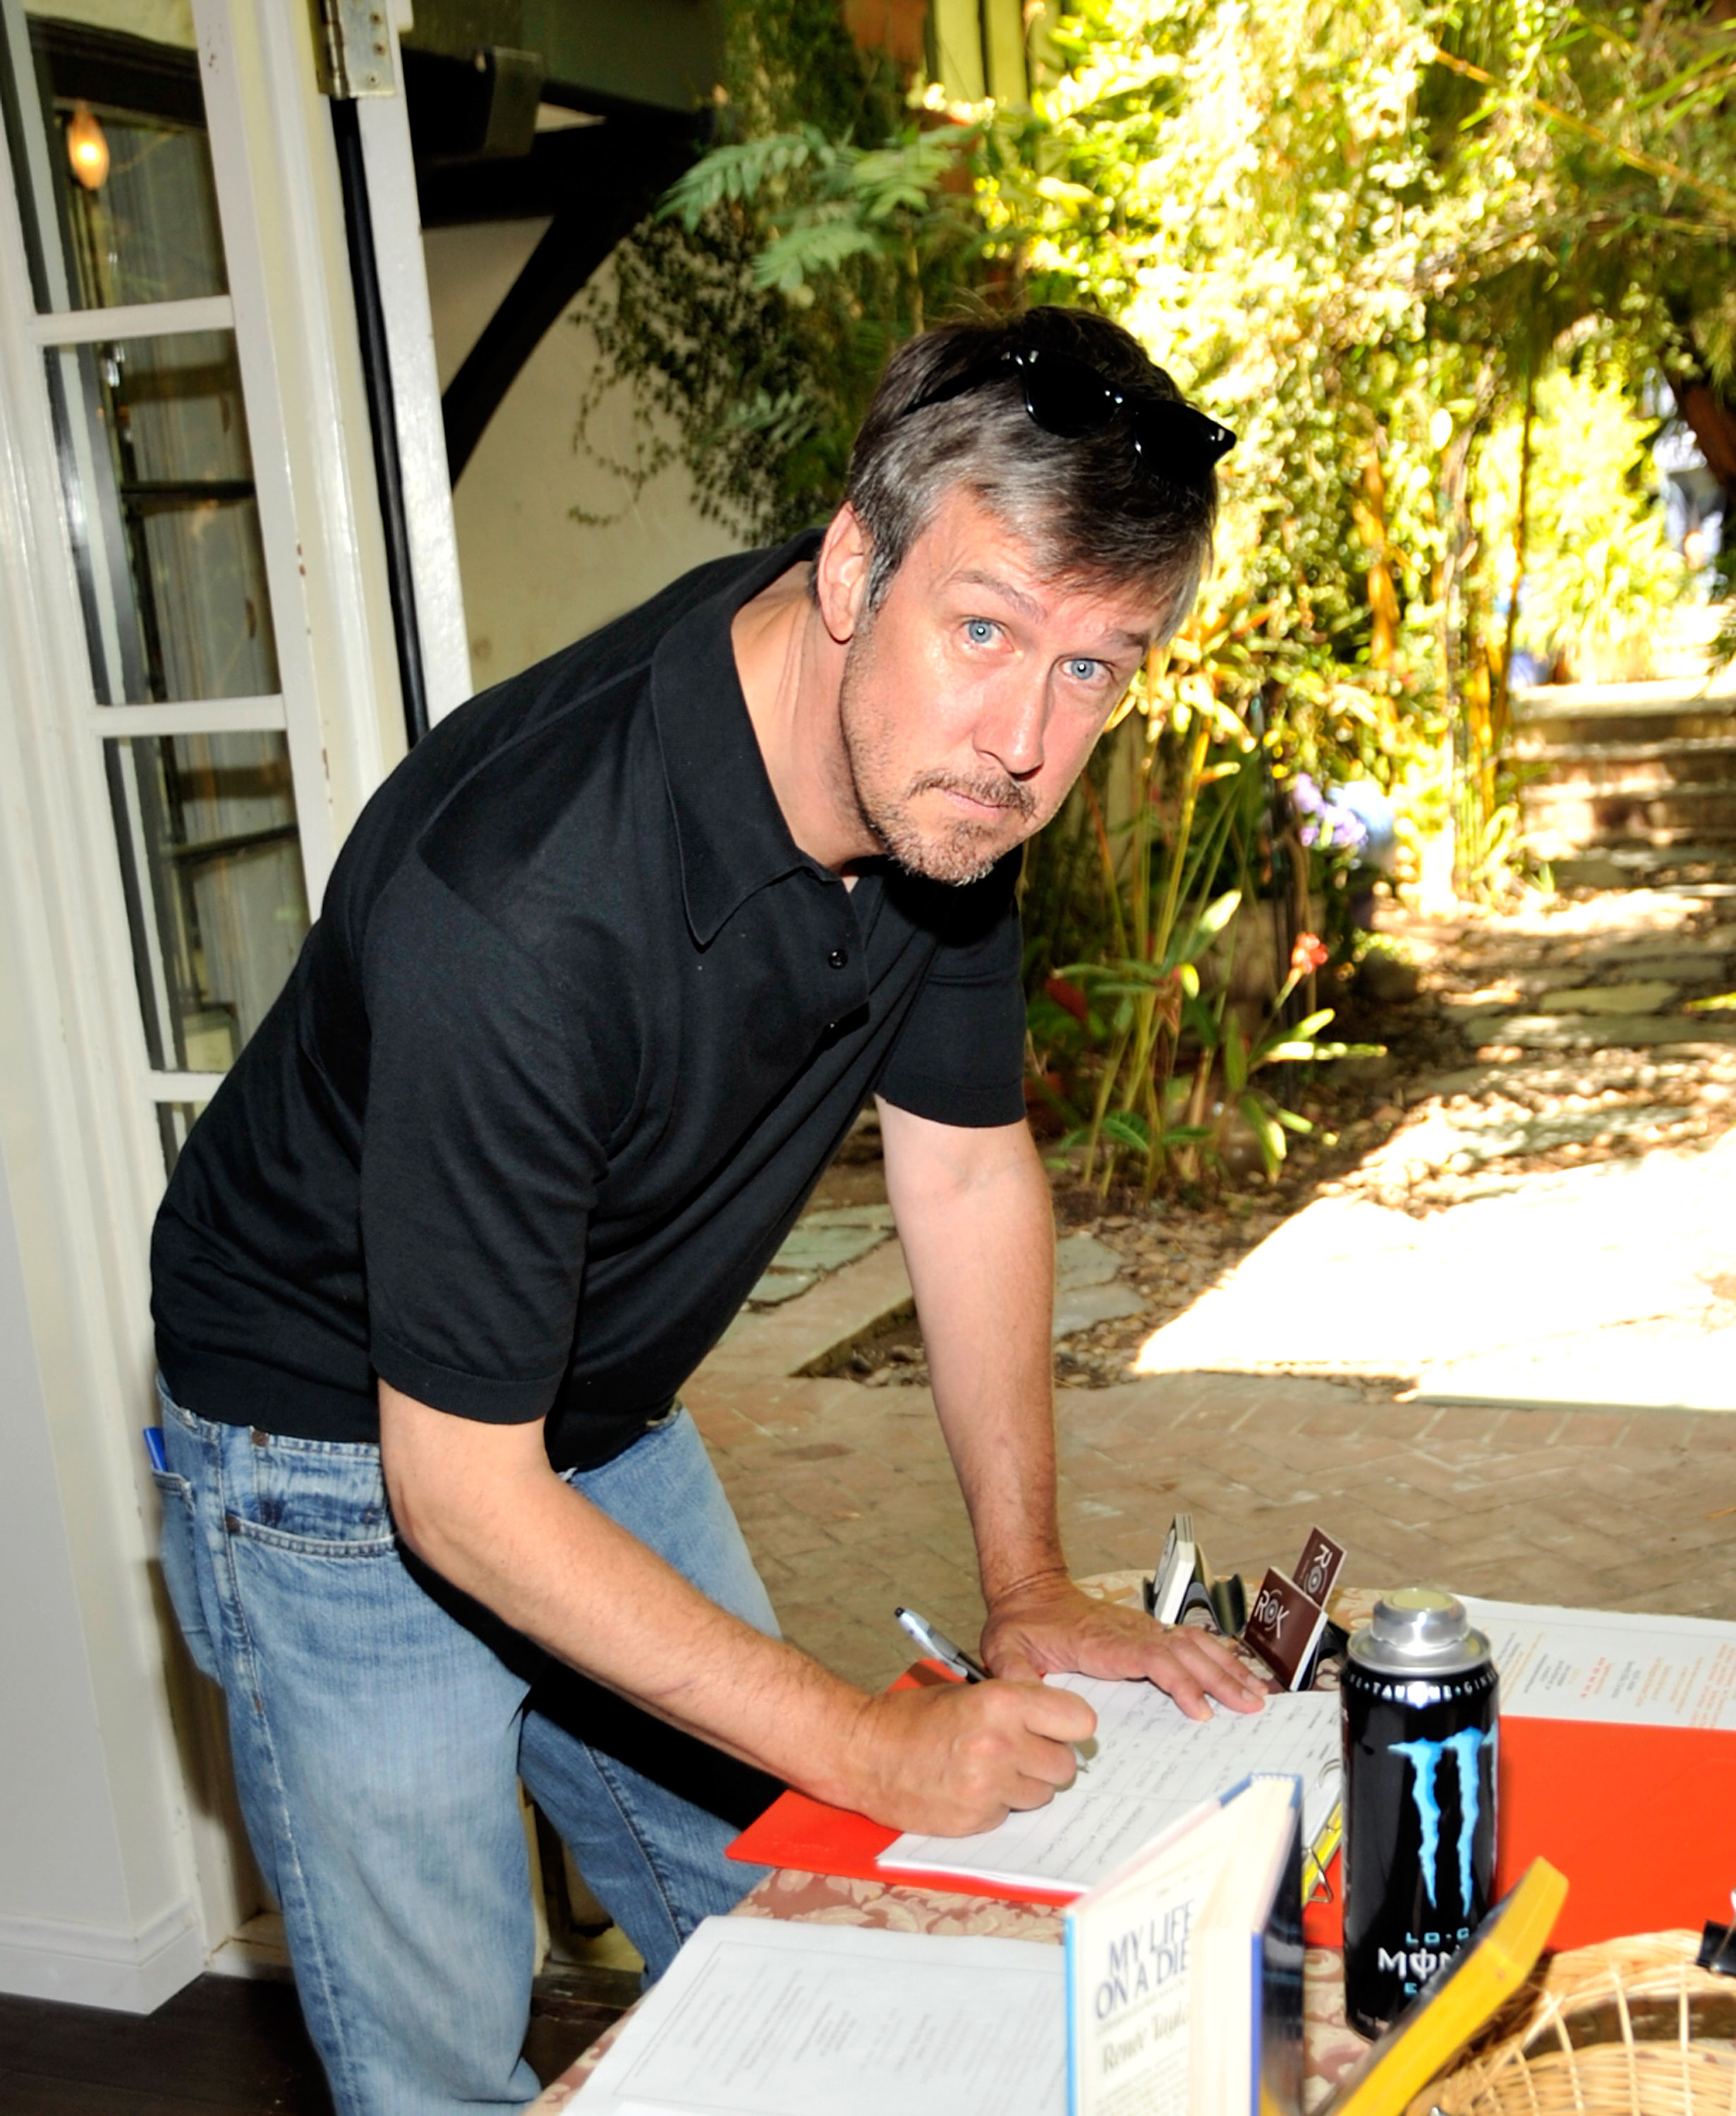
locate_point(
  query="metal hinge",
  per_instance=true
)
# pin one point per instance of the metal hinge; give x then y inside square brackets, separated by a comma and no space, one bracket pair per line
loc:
[352,44]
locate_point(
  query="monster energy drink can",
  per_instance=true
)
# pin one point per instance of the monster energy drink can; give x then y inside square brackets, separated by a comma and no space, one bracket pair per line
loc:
[1420,1749]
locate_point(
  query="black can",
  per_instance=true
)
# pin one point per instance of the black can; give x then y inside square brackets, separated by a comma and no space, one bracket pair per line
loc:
[1420,1735]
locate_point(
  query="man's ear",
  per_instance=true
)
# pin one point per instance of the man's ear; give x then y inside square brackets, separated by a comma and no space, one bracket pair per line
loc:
[841,574]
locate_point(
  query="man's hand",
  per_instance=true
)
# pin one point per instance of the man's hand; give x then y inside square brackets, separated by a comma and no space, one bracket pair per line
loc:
[959,1757]
[1049,1626]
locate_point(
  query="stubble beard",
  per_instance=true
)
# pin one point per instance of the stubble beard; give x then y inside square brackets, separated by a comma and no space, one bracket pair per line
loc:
[961,851]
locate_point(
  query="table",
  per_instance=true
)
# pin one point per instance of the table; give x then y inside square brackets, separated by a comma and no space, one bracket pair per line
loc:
[1330,2046]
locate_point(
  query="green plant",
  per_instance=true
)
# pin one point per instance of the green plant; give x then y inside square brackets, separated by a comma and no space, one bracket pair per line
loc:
[750,317]
[823,202]
[1144,1027]
[1389,242]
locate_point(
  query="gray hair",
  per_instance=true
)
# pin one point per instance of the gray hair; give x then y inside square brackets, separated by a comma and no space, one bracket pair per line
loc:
[1104,519]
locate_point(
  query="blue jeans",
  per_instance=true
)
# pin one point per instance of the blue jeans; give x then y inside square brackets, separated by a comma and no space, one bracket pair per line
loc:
[380,1723]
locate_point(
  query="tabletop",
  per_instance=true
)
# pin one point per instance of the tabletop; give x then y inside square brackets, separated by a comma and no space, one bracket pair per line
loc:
[1330,2046]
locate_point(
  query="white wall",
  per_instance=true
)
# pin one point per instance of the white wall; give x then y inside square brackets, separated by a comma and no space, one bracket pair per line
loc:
[78,1918]
[535,579]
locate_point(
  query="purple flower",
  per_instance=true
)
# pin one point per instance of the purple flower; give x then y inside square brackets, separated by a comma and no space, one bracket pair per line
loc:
[1328,822]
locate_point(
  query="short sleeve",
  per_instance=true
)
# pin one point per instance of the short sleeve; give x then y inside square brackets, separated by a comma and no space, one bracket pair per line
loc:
[480,1161]
[959,1057]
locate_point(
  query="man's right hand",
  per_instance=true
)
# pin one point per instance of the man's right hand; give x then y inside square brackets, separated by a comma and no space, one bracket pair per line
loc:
[950,1760]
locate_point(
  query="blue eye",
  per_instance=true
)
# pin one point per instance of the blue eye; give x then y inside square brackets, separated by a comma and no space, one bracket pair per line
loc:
[1082,669]
[978,631]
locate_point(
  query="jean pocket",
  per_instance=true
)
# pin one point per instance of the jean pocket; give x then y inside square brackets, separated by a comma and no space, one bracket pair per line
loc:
[178,1553]
[324,1498]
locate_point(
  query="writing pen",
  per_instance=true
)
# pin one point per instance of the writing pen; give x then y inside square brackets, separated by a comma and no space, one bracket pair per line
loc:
[937,1646]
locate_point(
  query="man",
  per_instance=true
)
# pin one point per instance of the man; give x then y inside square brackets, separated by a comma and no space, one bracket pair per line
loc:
[602,977]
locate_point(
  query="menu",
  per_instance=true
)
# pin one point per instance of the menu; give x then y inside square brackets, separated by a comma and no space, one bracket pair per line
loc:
[1603,1665]
[757,2018]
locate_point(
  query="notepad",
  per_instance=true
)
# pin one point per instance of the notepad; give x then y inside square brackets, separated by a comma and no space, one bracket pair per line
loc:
[757,2018]
[1153,1766]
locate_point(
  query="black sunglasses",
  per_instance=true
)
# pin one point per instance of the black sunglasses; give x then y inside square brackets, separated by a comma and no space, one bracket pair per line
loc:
[1067,397]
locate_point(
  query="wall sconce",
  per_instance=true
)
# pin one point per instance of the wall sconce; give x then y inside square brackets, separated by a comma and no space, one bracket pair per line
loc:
[87,148]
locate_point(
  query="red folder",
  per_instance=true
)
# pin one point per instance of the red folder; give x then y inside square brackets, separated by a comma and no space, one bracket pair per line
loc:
[1641,1820]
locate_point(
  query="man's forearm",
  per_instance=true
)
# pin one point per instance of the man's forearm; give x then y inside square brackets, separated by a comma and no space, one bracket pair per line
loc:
[974,1214]
[480,1504]
[978,1235]
[555,1567]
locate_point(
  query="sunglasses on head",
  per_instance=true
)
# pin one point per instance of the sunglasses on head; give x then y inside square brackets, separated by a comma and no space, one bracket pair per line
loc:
[1066,397]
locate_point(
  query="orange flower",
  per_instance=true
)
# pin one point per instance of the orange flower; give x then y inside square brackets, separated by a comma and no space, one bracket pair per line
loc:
[1309,953]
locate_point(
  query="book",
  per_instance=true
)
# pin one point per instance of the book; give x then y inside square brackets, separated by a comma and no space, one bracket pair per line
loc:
[1456,2001]
[1153,1766]
[755,2017]
[1184,1968]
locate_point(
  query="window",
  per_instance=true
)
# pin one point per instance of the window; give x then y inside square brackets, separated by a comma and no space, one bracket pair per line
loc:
[145,379]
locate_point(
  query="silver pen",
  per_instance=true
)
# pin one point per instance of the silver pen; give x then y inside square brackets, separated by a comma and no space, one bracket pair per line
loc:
[935,1645]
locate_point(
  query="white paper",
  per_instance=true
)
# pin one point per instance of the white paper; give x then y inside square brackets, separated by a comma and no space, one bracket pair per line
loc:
[1153,1765]
[759,2017]
[1607,1666]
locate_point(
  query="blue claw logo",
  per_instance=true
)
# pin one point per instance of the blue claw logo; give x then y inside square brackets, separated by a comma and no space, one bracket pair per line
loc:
[1424,1758]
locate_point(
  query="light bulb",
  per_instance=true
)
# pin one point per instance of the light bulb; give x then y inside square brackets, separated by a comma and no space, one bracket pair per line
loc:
[87,148]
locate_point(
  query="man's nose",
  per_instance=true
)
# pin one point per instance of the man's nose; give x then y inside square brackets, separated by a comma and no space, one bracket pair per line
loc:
[1010,730]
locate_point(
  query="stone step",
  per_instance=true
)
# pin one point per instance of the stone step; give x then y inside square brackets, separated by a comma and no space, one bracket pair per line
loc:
[1689,869]
[1649,763]
[1687,722]
[1603,815]
[1663,695]
[1629,785]
[1602,1031]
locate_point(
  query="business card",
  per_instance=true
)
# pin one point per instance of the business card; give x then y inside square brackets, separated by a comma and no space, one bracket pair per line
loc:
[1282,1627]
[1317,1571]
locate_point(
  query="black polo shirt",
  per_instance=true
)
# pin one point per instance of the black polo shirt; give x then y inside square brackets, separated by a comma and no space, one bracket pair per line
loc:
[576,1032]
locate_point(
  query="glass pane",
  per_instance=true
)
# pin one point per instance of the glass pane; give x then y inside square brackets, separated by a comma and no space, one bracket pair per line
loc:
[159,481]
[174,1121]
[110,150]
[215,898]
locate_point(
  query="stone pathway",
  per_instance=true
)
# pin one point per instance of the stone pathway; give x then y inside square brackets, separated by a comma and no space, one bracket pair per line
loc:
[1608,1286]
[848,1501]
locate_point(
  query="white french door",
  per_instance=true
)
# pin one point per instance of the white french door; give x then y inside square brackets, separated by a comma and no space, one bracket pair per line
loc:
[198,690]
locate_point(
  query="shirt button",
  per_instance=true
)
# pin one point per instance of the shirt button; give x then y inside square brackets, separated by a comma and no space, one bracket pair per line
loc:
[838,958]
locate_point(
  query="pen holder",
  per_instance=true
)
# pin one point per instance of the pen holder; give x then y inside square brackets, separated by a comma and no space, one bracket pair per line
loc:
[1630,2027]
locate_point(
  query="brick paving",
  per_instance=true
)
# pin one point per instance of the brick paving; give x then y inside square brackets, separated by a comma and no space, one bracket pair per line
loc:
[847,1497]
